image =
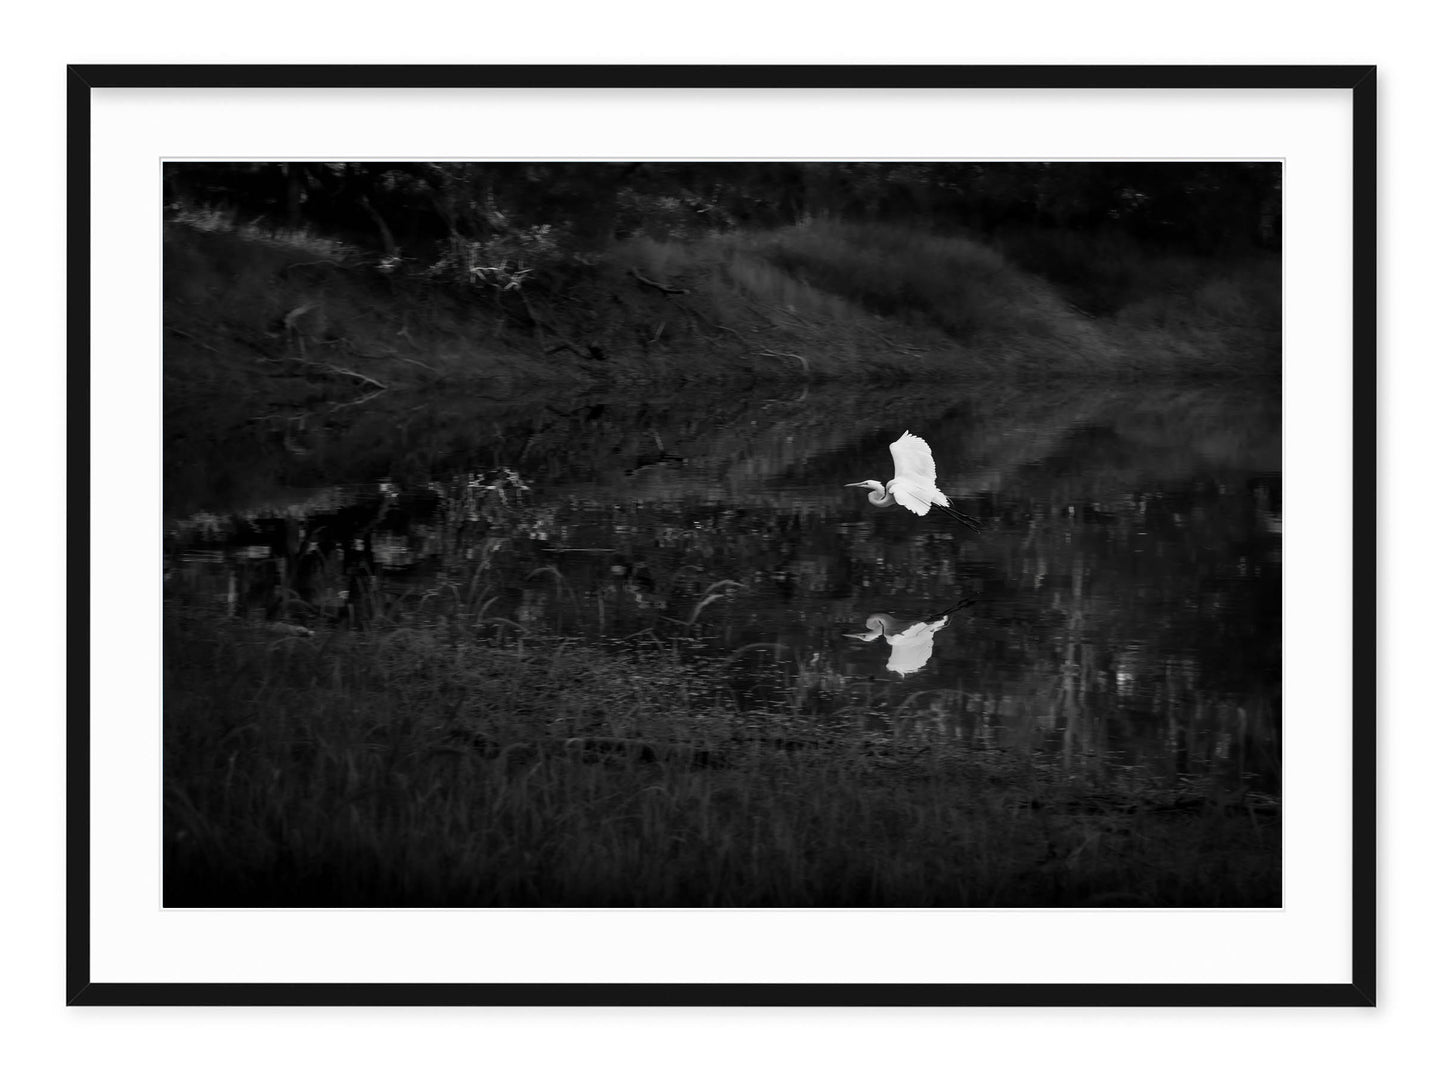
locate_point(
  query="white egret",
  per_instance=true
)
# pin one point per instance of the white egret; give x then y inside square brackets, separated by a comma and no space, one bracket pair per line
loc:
[911,637]
[915,482]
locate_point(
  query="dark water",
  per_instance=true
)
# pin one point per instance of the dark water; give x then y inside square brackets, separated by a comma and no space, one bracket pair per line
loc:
[1121,607]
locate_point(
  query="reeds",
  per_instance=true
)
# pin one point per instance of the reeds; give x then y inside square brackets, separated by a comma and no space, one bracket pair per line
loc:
[821,300]
[894,303]
[444,764]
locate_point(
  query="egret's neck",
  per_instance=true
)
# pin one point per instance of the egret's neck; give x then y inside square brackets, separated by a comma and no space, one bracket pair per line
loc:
[879,497]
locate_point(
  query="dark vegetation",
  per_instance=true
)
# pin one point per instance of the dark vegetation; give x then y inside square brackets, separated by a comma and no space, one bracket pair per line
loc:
[337,737]
[424,764]
[560,697]
[372,275]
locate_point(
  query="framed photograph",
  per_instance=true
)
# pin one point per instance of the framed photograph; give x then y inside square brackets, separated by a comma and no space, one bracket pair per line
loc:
[696,535]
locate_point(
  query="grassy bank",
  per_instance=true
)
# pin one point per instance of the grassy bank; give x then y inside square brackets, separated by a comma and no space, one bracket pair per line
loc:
[446,760]
[287,318]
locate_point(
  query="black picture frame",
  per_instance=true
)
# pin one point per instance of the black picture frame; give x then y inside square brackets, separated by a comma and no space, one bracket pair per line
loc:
[1360,81]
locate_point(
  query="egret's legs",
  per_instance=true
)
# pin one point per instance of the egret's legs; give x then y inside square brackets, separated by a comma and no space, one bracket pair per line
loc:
[968,520]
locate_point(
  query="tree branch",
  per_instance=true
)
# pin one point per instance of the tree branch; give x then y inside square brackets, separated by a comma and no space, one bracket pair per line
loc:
[663,289]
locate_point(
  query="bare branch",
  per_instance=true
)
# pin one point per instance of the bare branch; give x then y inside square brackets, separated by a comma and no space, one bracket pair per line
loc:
[664,289]
[193,338]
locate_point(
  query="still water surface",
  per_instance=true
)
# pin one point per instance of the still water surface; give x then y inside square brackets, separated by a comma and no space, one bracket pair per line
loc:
[1122,605]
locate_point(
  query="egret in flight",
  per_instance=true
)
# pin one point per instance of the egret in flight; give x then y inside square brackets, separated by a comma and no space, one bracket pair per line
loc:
[915,482]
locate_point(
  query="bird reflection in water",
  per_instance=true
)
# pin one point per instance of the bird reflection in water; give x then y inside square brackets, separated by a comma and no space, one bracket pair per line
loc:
[911,637]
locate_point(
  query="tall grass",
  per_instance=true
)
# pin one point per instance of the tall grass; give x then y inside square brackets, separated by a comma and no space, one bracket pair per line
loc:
[963,287]
[817,301]
[455,762]
[275,313]
[1161,307]
[895,302]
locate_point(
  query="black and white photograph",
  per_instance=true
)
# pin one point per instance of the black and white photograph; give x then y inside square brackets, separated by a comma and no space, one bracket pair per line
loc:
[735,533]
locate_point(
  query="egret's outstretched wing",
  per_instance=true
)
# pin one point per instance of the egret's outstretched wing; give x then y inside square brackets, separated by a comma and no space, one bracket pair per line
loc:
[913,461]
[911,494]
[914,483]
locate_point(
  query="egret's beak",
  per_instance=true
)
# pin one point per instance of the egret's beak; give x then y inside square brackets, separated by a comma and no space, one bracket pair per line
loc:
[856,484]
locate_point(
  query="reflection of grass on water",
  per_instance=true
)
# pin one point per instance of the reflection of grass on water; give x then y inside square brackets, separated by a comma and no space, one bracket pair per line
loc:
[416,765]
